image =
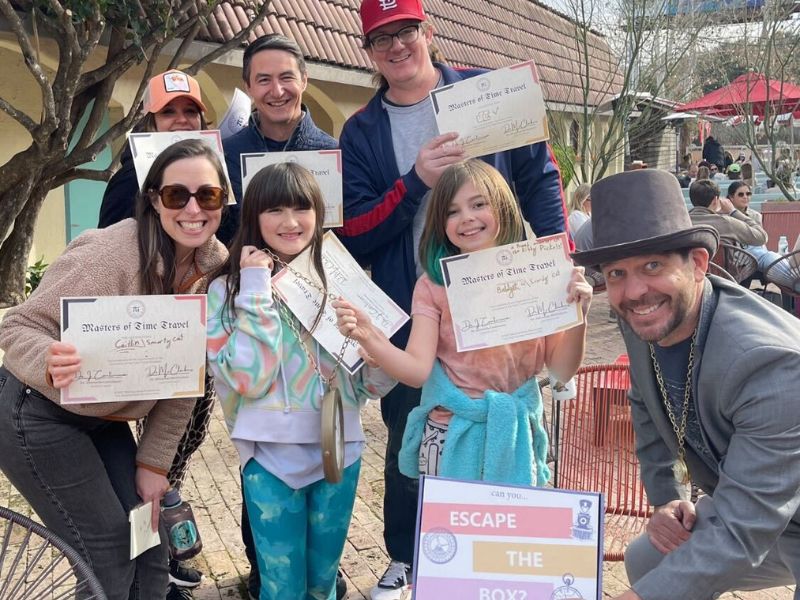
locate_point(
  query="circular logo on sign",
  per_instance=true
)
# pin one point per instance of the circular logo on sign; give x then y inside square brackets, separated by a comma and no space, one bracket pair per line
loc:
[439,545]
[483,84]
[504,258]
[291,158]
[136,309]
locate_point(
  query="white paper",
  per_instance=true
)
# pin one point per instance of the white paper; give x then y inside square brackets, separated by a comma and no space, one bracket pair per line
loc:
[324,165]
[142,535]
[237,115]
[135,347]
[145,147]
[493,112]
[346,279]
[510,293]
[482,540]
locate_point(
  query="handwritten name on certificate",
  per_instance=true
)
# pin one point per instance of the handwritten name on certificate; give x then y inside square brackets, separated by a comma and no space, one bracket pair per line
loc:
[482,540]
[145,147]
[301,290]
[324,165]
[136,347]
[493,112]
[510,293]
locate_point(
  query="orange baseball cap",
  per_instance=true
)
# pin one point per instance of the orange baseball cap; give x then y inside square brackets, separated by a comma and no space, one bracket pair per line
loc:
[165,87]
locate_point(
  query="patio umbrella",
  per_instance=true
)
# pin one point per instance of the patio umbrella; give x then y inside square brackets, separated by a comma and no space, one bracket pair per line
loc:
[751,92]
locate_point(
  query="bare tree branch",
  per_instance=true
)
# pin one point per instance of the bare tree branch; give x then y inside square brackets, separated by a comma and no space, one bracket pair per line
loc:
[19,116]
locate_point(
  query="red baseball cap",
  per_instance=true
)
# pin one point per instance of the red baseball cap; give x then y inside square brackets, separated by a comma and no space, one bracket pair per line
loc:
[165,87]
[375,13]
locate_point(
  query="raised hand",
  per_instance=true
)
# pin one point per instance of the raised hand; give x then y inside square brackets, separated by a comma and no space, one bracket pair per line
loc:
[579,290]
[253,257]
[435,156]
[353,321]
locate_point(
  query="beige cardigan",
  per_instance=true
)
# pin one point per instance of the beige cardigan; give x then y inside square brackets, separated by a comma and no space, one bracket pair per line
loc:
[100,262]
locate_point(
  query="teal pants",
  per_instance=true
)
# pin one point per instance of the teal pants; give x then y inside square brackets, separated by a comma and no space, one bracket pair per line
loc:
[299,534]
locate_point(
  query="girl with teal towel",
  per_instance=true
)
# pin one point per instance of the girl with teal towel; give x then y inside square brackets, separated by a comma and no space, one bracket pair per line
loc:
[480,416]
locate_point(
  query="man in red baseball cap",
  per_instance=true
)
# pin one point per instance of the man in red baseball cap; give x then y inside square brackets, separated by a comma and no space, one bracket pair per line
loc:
[393,154]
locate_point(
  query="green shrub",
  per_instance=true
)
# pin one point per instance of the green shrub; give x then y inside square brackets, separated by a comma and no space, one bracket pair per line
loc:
[565,158]
[34,275]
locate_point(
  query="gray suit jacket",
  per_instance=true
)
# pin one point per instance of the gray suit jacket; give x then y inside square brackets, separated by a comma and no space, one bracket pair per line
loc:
[745,386]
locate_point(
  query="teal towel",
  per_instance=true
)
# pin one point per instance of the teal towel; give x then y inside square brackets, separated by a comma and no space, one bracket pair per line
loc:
[488,438]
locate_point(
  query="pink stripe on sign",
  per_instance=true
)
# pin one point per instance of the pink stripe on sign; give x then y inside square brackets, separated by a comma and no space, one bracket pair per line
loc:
[477,519]
[436,588]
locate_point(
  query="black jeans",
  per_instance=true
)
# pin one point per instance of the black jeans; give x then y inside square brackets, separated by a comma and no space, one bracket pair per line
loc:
[78,474]
[400,495]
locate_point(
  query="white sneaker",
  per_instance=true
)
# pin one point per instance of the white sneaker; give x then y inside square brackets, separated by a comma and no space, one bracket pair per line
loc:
[395,582]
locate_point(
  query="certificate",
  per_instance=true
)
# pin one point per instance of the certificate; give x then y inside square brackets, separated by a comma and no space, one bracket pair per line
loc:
[482,540]
[145,147]
[324,165]
[237,115]
[496,111]
[346,279]
[136,347]
[510,293]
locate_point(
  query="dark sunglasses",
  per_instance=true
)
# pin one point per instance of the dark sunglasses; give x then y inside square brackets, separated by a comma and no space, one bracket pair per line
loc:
[177,196]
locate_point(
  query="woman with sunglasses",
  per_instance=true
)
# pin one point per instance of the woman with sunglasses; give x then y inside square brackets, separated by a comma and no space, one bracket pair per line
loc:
[78,465]
[172,102]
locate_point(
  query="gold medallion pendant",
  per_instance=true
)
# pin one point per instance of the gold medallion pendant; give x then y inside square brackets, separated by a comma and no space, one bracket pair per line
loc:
[681,470]
[332,436]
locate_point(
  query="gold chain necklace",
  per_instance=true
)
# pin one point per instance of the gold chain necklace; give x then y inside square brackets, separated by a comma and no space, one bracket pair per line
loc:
[332,411]
[681,469]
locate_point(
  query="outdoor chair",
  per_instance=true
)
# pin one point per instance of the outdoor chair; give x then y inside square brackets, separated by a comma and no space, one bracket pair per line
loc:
[35,564]
[595,452]
[715,269]
[785,274]
[737,261]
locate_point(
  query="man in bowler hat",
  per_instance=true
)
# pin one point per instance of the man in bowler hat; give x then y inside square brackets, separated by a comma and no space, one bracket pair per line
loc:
[714,372]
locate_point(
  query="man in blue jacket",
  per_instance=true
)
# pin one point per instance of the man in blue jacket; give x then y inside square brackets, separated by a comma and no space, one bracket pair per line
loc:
[392,156]
[275,77]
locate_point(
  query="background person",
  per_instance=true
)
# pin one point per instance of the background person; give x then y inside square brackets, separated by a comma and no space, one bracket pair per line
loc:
[724,361]
[580,207]
[392,156]
[78,465]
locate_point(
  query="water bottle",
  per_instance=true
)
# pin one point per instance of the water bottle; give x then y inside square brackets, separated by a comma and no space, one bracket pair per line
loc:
[184,539]
[783,245]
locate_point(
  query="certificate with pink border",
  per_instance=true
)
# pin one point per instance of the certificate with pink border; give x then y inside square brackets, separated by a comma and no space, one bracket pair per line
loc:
[510,293]
[135,347]
[495,111]
[481,540]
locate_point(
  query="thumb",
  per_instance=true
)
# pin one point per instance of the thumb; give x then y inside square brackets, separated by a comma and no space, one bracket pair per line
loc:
[688,516]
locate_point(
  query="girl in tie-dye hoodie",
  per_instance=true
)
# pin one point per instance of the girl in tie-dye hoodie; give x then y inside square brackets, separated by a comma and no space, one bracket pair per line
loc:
[271,392]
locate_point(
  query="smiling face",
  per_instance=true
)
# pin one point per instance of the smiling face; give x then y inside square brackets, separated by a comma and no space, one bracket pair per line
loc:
[403,64]
[471,223]
[182,114]
[190,227]
[276,86]
[287,231]
[658,295]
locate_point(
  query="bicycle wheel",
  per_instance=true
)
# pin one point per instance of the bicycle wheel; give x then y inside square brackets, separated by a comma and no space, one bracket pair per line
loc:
[35,564]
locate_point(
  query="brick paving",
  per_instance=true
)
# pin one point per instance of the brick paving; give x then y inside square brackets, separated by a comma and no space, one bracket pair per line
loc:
[213,489]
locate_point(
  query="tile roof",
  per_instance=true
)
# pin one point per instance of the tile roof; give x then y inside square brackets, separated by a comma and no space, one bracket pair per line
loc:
[470,33]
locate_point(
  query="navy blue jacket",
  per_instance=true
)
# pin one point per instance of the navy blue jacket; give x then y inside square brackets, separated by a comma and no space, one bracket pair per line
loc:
[306,136]
[119,199]
[380,203]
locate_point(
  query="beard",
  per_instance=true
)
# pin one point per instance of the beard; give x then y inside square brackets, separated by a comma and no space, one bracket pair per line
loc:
[681,305]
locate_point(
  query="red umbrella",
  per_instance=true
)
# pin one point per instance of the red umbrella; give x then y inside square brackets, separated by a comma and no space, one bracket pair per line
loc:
[750,92]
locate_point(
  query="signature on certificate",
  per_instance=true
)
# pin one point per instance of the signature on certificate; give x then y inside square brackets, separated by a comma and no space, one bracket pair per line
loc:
[482,323]
[91,375]
[540,308]
[517,125]
[167,370]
